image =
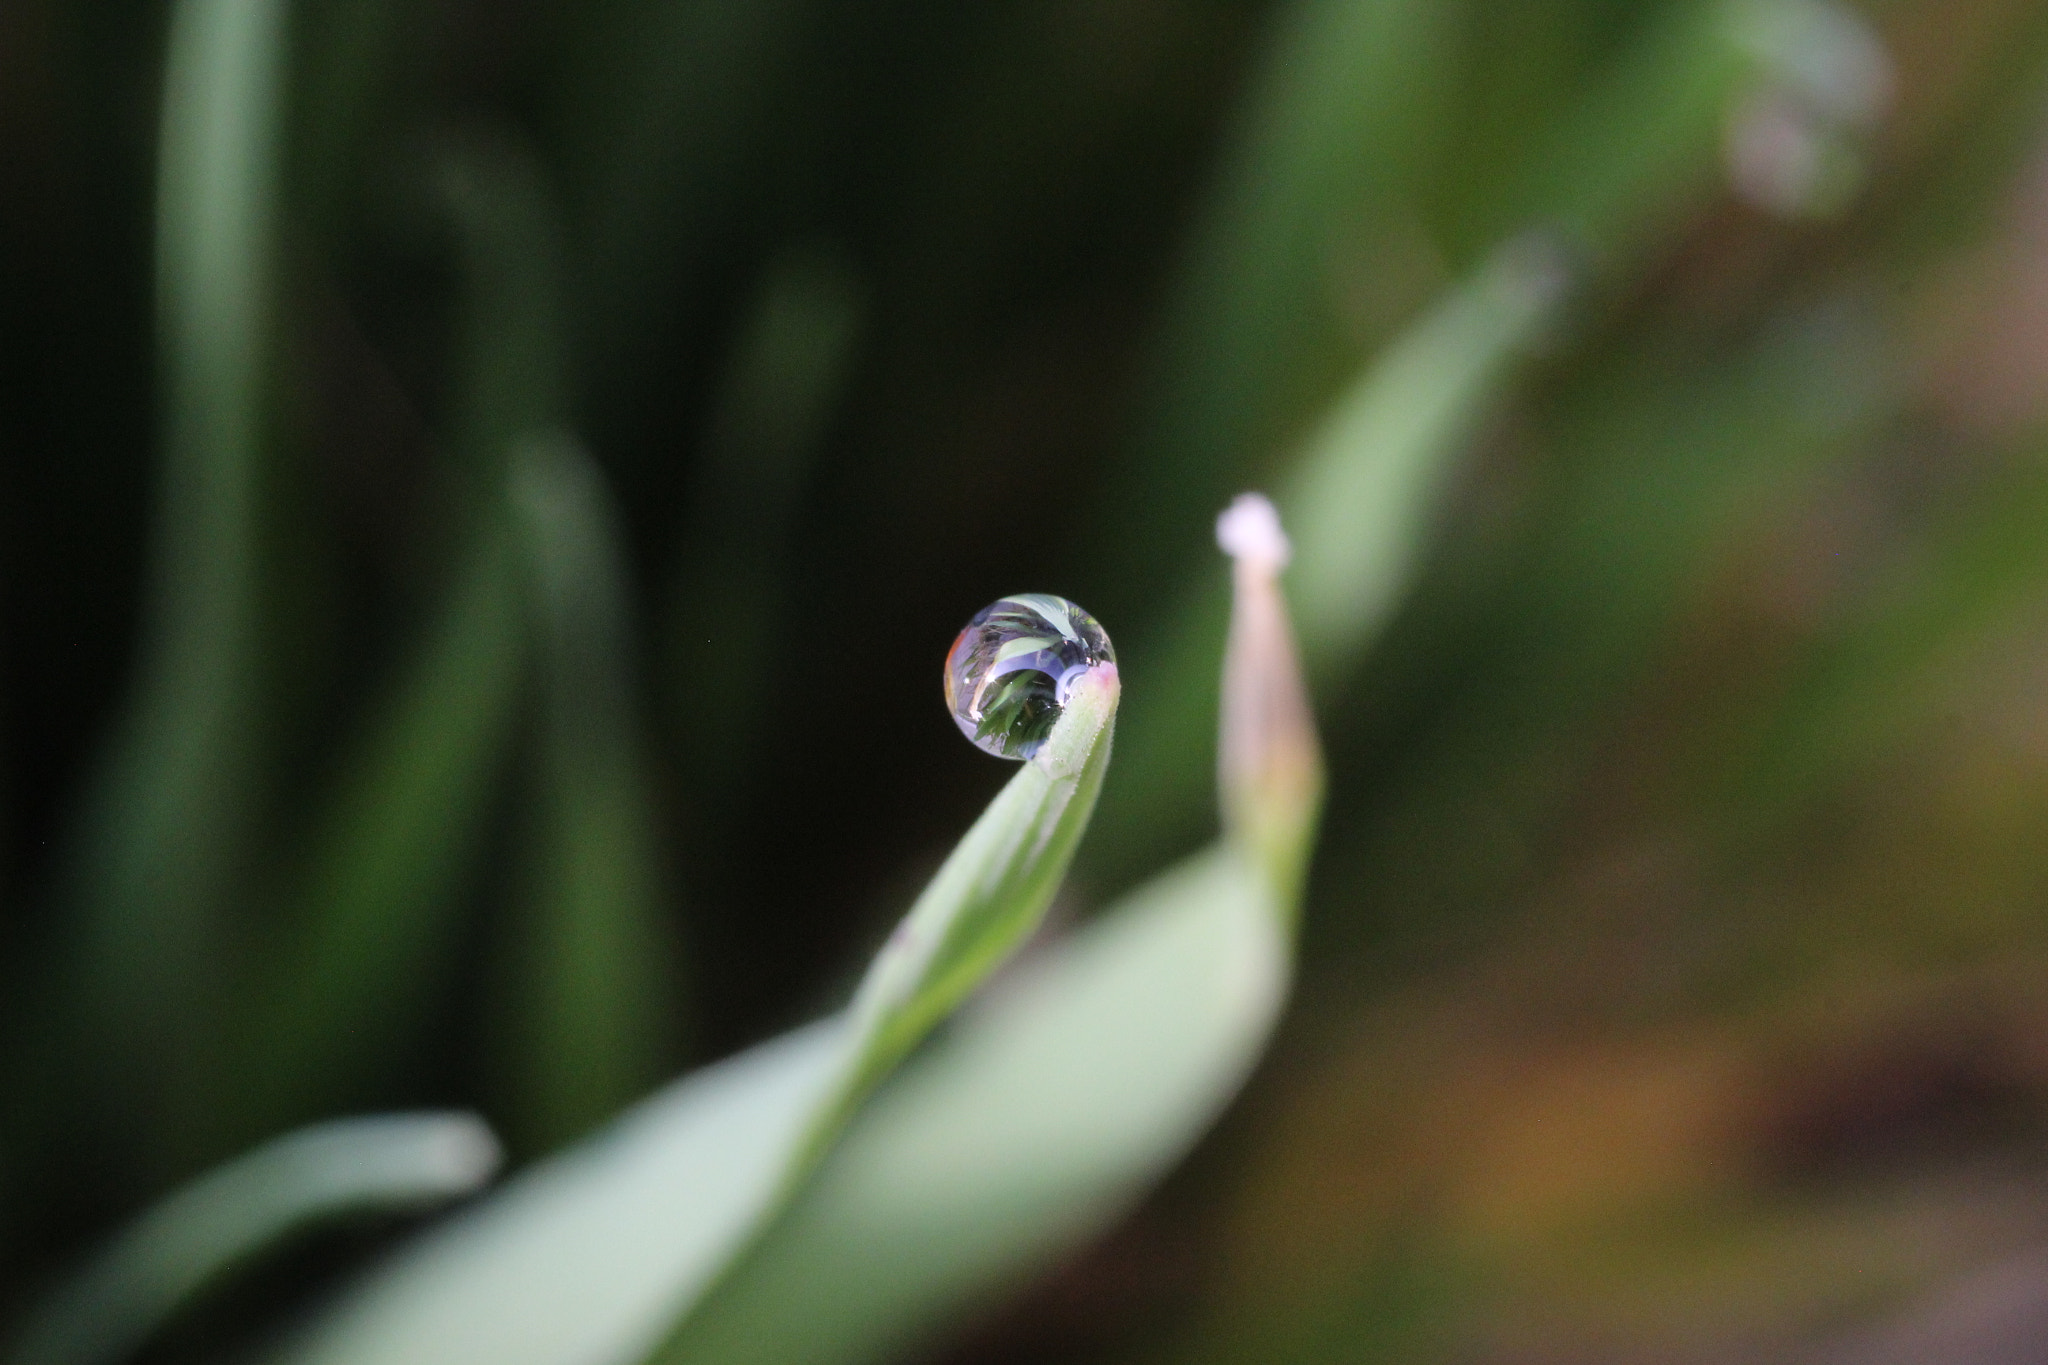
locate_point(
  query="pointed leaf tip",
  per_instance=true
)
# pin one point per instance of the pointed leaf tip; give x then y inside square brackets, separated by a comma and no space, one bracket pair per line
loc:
[1270,766]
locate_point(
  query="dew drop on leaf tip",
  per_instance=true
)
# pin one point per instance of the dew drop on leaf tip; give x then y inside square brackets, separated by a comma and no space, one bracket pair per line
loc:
[1010,671]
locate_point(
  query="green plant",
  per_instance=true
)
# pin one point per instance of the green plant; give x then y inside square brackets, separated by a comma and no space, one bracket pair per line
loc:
[575,438]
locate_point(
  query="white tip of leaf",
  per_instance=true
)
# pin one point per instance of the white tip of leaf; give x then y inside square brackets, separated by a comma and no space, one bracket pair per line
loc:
[1249,530]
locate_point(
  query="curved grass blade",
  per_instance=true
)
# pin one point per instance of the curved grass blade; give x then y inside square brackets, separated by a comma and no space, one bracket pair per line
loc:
[586,991]
[1361,497]
[165,831]
[1051,1105]
[667,112]
[1062,1095]
[375,920]
[508,240]
[590,993]
[205,1229]
[727,610]
[374,910]
[1345,106]
[590,1256]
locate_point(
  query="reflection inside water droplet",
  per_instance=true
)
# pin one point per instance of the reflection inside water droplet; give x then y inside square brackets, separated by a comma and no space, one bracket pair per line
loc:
[1009,672]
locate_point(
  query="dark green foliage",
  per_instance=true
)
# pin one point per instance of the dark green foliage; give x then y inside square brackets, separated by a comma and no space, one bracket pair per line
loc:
[487,490]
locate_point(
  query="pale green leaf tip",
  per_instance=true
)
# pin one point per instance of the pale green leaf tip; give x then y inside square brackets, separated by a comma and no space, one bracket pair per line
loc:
[1086,719]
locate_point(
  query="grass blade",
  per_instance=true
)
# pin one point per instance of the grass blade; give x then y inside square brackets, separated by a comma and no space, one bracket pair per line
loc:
[590,992]
[1033,1123]
[1066,1092]
[375,906]
[591,1255]
[166,830]
[375,920]
[203,1230]
[1343,108]
[1362,498]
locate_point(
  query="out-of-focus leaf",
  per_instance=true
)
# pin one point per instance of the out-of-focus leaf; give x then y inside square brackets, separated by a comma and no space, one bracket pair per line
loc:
[512,367]
[350,56]
[591,1255]
[1347,101]
[203,1230]
[347,993]
[670,103]
[1659,135]
[582,1259]
[1645,147]
[728,610]
[165,831]
[590,994]
[348,977]
[1362,499]
[1660,463]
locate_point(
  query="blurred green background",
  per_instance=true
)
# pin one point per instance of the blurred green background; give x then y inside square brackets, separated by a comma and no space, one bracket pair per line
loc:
[486,491]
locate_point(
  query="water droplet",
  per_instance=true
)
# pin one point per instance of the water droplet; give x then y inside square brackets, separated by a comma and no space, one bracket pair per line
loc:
[1009,672]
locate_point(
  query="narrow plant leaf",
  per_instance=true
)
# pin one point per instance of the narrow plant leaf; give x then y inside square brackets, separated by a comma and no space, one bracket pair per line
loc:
[986,899]
[1051,1105]
[1605,189]
[1659,461]
[1269,763]
[1079,1080]
[508,243]
[585,994]
[582,1259]
[165,831]
[345,981]
[727,618]
[346,995]
[590,995]
[1346,103]
[203,1230]
[1363,496]
[669,108]
[590,1256]
[1361,499]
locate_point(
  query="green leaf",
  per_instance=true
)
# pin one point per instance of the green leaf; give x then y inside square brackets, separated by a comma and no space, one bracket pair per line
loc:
[347,981]
[1648,146]
[727,622]
[987,897]
[347,994]
[1361,499]
[589,996]
[591,1255]
[509,246]
[1344,108]
[203,1230]
[1079,1079]
[586,1256]
[165,832]
[667,110]
[1052,1103]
